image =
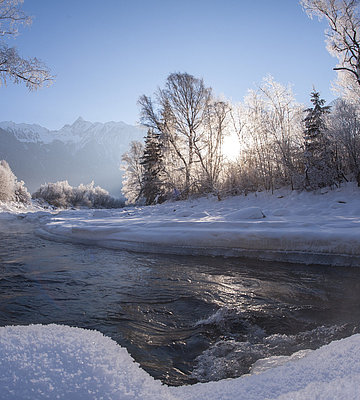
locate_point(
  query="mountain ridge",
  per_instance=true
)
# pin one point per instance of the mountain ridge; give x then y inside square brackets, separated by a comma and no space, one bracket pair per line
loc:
[80,152]
[69,132]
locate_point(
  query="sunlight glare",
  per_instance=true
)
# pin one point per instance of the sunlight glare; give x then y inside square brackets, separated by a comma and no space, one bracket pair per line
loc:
[231,147]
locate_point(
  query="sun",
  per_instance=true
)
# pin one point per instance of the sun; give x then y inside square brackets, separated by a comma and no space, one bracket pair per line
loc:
[231,147]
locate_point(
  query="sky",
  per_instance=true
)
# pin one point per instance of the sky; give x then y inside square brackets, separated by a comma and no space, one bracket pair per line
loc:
[105,55]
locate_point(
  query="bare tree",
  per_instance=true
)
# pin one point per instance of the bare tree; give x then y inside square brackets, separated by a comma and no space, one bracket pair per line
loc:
[12,66]
[284,117]
[10,188]
[343,39]
[133,172]
[11,16]
[179,116]
[344,129]
[269,128]
[209,147]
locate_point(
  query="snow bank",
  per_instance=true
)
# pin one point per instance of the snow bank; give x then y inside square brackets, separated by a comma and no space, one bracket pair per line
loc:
[59,362]
[14,209]
[306,227]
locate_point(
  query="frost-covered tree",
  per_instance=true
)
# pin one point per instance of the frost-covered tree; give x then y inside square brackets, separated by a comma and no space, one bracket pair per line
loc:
[7,182]
[343,35]
[283,122]
[320,170]
[178,115]
[152,183]
[209,150]
[344,128]
[61,194]
[133,172]
[269,128]
[10,188]
[13,67]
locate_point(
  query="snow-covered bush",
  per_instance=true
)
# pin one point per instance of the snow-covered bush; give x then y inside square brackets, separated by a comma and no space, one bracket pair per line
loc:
[61,194]
[10,188]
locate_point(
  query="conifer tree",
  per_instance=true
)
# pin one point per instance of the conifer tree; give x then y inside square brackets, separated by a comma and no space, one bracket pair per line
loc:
[320,169]
[152,187]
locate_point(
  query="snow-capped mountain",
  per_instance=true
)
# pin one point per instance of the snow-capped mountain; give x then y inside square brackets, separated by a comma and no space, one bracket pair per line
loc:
[79,153]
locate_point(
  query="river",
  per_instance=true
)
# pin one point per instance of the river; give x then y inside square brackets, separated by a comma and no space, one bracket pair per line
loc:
[184,319]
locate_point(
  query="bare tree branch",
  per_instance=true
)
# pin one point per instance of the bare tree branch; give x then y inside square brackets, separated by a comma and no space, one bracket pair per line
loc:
[343,17]
[16,69]
[13,67]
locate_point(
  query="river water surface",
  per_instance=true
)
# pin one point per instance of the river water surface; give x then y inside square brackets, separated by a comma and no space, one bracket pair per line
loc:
[184,319]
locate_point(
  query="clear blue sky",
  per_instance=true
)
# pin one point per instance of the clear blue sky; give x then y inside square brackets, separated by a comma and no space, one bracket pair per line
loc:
[106,54]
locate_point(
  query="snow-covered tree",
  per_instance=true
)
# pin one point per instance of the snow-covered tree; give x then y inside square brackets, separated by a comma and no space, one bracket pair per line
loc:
[13,67]
[152,184]
[10,188]
[269,128]
[343,35]
[209,150]
[61,194]
[133,172]
[178,115]
[320,170]
[344,128]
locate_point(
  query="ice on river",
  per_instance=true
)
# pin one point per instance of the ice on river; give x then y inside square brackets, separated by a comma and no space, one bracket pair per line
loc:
[61,362]
[307,227]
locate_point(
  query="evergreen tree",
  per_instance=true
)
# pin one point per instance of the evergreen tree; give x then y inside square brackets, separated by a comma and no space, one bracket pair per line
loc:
[152,187]
[320,169]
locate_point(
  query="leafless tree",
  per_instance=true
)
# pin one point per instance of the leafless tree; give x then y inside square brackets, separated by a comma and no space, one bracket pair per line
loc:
[344,130]
[133,172]
[10,188]
[209,146]
[13,67]
[179,115]
[343,39]
[270,131]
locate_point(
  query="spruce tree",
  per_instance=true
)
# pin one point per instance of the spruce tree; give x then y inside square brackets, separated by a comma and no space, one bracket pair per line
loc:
[152,188]
[320,170]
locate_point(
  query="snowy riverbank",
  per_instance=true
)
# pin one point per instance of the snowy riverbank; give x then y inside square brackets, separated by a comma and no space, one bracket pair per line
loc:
[54,361]
[306,227]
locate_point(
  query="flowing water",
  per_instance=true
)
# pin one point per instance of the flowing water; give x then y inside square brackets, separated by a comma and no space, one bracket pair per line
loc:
[184,319]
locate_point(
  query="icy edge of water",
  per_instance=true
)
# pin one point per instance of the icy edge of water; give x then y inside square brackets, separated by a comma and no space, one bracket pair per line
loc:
[288,256]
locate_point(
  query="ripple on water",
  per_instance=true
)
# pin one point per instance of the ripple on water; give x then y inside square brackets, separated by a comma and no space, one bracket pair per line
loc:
[184,319]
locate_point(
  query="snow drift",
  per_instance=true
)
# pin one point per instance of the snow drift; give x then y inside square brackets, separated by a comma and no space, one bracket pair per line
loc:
[54,361]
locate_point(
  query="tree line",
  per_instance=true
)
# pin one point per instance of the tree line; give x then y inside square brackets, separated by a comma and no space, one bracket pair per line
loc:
[281,142]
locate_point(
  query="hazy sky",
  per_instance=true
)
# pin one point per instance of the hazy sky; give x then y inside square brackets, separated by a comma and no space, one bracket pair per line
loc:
[106,54]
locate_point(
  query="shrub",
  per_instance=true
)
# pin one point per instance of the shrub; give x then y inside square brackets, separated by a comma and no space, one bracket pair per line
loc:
[10,188]
[61,194]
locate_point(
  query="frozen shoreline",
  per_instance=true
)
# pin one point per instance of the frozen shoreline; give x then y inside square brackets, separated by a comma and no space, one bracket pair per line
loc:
[310,228]
[59,361]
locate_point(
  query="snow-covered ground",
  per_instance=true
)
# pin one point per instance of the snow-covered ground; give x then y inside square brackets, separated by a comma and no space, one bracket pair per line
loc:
[306,227]
[60,362]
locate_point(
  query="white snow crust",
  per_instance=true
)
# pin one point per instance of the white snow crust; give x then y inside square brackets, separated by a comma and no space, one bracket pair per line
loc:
[61,362]
[320,227]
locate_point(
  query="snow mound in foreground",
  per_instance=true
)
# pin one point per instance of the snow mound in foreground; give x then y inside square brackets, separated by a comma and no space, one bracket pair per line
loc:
[55,361]
[59,362]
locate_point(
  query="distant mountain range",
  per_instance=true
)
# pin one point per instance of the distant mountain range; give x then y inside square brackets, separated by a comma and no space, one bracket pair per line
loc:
[80,153]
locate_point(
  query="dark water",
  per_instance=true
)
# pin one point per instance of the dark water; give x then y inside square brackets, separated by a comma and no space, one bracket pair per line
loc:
[184,319]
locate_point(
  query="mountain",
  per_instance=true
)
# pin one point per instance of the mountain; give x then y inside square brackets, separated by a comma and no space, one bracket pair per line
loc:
[80,153]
